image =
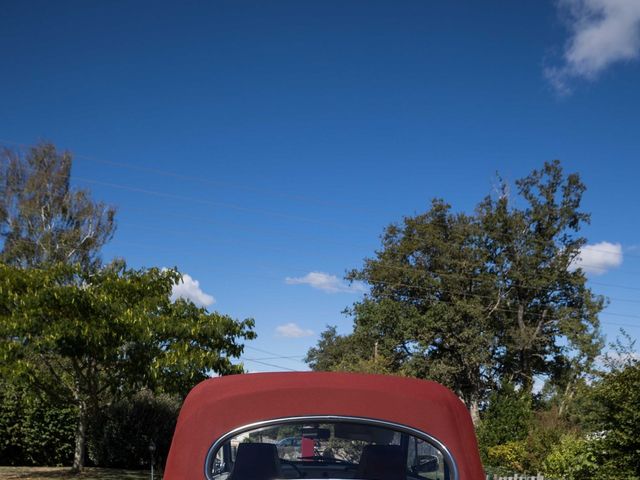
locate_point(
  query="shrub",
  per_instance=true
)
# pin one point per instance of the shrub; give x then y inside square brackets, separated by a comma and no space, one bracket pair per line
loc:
[510,456]
[34,430]
[506,420]
[119,437]
[573,458]
[618,417]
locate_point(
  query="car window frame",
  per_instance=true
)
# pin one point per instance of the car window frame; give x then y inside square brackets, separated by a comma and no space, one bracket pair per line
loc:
[446,453]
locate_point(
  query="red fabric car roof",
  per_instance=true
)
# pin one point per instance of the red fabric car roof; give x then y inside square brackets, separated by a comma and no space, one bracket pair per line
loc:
[217,406]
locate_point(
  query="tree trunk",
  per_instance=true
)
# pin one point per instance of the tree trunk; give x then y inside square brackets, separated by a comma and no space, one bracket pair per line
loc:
[566,397]
[81,438]
[474,411]
[473,407]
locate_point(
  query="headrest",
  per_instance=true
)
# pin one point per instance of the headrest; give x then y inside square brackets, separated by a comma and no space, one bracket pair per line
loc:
[382,462]
[256,461]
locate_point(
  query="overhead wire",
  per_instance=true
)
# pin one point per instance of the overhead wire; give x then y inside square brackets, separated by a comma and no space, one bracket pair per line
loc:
[206,181]
[407,268]
[213,203]
[466,294]
[439,289]
[269,364]
[241,208]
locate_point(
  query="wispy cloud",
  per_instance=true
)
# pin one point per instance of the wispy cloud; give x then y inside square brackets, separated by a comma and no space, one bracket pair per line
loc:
[603,32]
[326,282]
[189,289]
[292,330]
[596,259]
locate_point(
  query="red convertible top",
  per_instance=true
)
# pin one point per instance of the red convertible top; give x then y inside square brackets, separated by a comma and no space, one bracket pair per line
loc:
[217,406]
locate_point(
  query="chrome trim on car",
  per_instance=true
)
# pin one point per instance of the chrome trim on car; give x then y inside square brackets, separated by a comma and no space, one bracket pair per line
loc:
[446,454]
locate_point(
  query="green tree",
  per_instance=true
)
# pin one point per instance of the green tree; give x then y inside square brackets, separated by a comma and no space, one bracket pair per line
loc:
[549,316]
[508,418]
[425,309]
[99,335]
[478,301]
[616,419]
[42,219]
[347,354]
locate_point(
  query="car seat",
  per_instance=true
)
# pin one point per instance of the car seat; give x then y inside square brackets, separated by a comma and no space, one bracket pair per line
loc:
[382,462]
[256,461]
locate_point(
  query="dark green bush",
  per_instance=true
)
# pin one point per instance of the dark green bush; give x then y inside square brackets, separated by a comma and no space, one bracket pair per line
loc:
[119,436]
[33,430]
[507,419]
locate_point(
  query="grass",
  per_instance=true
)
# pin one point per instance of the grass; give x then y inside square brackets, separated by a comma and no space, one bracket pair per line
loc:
[63,473]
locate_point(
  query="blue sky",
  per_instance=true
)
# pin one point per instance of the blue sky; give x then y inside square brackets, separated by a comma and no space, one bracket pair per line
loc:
[253,143]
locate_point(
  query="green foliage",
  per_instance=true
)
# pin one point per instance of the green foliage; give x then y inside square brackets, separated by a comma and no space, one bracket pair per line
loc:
[510,455]
[532,250]
[506,421]
[347,354]
[478,301]
[114,329]
[120,435]
[574,458]
[33,430]
[547,428]
[610,413]
[42,219]
[617,418]
[96,337]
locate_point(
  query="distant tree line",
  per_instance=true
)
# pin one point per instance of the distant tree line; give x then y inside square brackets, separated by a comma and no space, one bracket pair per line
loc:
[95,358]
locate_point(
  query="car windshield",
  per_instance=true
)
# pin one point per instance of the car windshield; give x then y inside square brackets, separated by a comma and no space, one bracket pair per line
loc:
[355,450]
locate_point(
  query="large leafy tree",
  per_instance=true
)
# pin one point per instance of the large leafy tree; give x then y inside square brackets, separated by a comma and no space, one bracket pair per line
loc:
[477,301]
[430,306]
[43,220]
[96,336]
[549,316]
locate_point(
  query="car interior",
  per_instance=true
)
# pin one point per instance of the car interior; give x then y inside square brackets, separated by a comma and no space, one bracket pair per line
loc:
[349,450]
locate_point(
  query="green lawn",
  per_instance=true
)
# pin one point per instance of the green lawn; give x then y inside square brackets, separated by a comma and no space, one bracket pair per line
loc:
[62,473]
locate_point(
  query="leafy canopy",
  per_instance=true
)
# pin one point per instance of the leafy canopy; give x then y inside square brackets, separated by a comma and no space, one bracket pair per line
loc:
[482,300]
[111,330]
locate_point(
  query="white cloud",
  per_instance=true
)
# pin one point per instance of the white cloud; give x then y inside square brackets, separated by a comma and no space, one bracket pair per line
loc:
[292,330]
[326,282]
[596,259]
[603,32]
[189,289]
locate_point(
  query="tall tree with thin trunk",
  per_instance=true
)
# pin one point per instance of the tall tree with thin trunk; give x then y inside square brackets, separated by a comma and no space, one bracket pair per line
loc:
[43,220]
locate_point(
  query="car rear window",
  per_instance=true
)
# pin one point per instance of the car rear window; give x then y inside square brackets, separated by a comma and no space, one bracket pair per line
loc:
[308,448]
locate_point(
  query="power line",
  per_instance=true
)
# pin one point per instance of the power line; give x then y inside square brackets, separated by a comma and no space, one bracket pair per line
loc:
[273,365]
[220,204]
[438,289]
[324,240]
[266,351]
[206,181]
[212,203]
[408,268]
[282,357]
[233,206]
[267,212]
[432,289]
